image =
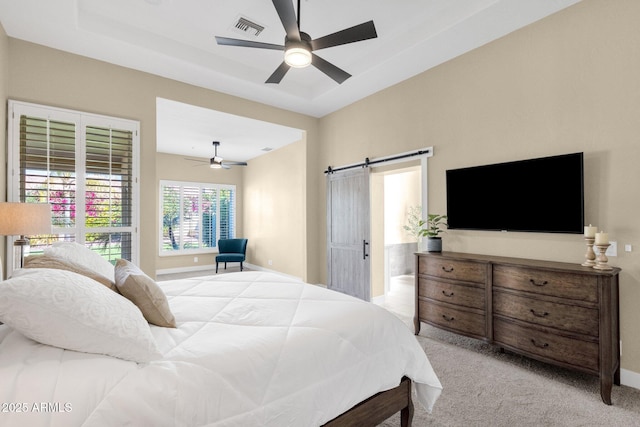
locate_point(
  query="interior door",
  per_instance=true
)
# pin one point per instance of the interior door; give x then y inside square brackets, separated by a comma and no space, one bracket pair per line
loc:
[348,233]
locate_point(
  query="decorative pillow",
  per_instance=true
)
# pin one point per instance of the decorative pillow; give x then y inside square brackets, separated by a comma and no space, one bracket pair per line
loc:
[46,261]
[82,255]
[67,310]
[144,292]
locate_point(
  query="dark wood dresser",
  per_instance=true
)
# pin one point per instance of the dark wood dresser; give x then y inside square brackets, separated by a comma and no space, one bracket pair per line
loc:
[558,313]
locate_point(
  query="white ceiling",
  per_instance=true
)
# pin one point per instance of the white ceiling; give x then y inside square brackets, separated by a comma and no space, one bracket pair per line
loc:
[189,130]
[175,39]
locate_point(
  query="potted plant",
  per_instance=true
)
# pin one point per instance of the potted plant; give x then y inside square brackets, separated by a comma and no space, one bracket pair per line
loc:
[434,226]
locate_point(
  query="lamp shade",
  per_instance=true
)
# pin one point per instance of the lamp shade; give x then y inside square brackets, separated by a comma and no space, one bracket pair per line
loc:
[22,219]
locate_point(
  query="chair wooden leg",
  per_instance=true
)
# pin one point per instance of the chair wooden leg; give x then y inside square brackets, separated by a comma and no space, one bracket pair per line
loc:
[216,267]
[225,265]
[240,265]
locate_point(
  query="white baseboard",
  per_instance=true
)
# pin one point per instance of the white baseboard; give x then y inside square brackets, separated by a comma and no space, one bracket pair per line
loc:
[213,267]
[185,269]
[630,378]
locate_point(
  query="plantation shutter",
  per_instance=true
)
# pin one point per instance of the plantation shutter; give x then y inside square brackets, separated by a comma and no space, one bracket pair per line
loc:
[209,203]
[227,214]
[85,167]
[170,218]
[47,172]
[108,185]
[195,216]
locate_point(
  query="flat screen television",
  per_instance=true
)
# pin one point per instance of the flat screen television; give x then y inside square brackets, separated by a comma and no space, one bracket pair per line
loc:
[544,195]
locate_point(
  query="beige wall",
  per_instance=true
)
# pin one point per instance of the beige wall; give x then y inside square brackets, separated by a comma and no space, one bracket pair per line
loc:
[275,219]
[51,77]
[564,84]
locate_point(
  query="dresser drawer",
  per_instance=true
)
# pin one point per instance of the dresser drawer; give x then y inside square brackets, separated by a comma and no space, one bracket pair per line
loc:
[575,352]
[581,287]
[570,318]
[451,318]
[467,271]
[452,293]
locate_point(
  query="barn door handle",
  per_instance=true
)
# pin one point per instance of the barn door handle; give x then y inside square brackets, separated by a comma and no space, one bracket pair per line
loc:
[364,249]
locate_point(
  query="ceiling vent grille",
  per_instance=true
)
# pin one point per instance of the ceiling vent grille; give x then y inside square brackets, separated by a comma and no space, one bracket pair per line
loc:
[246,26]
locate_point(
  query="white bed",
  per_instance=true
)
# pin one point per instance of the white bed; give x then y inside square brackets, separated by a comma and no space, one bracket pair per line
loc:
[249,349]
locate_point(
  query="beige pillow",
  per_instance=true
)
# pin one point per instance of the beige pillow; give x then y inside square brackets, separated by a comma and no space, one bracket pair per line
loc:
[145,293]
[47,261]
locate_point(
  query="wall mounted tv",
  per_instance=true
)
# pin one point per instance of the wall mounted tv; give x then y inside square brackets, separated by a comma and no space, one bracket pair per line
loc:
[544,195]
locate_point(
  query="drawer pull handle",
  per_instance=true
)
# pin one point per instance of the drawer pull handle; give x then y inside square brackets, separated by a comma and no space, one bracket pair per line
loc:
[447,318]
[447,269]
[539,314]
[533,282]
[545,345]
[447,294]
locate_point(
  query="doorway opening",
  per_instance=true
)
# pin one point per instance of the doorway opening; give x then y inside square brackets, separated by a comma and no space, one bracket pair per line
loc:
[395,192]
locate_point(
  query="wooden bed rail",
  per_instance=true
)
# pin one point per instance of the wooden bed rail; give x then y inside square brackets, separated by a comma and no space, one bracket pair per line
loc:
[378,408]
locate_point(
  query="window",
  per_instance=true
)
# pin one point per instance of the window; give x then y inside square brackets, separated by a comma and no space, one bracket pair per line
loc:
[195,216]
[85,167]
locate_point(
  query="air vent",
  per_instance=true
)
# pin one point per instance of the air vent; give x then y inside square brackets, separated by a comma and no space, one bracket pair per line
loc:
[246,26]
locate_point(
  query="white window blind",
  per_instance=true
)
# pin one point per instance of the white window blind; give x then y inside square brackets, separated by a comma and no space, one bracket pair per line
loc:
[85,166]
[194,216]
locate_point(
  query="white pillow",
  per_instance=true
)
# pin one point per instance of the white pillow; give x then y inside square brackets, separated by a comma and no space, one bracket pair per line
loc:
[82,255]
[67,310]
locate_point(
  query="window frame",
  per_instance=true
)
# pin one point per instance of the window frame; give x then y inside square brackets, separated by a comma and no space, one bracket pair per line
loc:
[200,185]
[82,121]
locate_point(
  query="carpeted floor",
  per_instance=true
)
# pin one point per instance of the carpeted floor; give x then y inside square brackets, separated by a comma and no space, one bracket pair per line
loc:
[485,387]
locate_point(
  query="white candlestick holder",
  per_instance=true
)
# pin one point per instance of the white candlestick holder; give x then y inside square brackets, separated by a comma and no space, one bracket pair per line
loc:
[590,255]
[601,259]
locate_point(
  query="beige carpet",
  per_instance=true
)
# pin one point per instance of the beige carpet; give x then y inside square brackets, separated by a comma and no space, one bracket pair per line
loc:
[485,387]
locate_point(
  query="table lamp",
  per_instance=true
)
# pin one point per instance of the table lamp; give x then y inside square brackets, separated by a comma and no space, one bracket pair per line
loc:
[23,219]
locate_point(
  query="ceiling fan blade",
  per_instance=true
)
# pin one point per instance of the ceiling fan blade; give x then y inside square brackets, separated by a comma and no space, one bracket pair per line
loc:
[287,15]
[329,69]
[357,33]
[247,43]
[234,163]
[192,159]
[225,166]
[279,73]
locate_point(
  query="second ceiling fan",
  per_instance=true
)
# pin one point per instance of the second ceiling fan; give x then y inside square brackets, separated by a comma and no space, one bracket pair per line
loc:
[299,47]
[216,162]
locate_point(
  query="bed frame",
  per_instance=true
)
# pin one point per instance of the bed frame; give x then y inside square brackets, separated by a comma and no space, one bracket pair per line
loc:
[379,407]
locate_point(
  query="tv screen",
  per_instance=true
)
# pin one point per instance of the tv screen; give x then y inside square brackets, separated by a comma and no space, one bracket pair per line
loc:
[537,195]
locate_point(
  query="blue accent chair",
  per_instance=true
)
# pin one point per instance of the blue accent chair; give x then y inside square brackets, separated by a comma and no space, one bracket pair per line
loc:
[231,250]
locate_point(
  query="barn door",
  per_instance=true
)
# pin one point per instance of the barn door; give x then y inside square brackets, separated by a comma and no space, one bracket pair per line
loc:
[348,230]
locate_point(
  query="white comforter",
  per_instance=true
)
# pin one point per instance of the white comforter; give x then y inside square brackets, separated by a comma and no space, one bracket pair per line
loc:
[251,349]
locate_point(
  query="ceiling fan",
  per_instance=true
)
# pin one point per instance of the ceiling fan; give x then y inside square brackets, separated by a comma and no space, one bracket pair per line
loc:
[217,162]
[298,46]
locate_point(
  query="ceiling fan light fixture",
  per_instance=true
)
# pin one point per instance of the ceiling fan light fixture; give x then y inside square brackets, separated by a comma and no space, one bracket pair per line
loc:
[215,163]
[297,56]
